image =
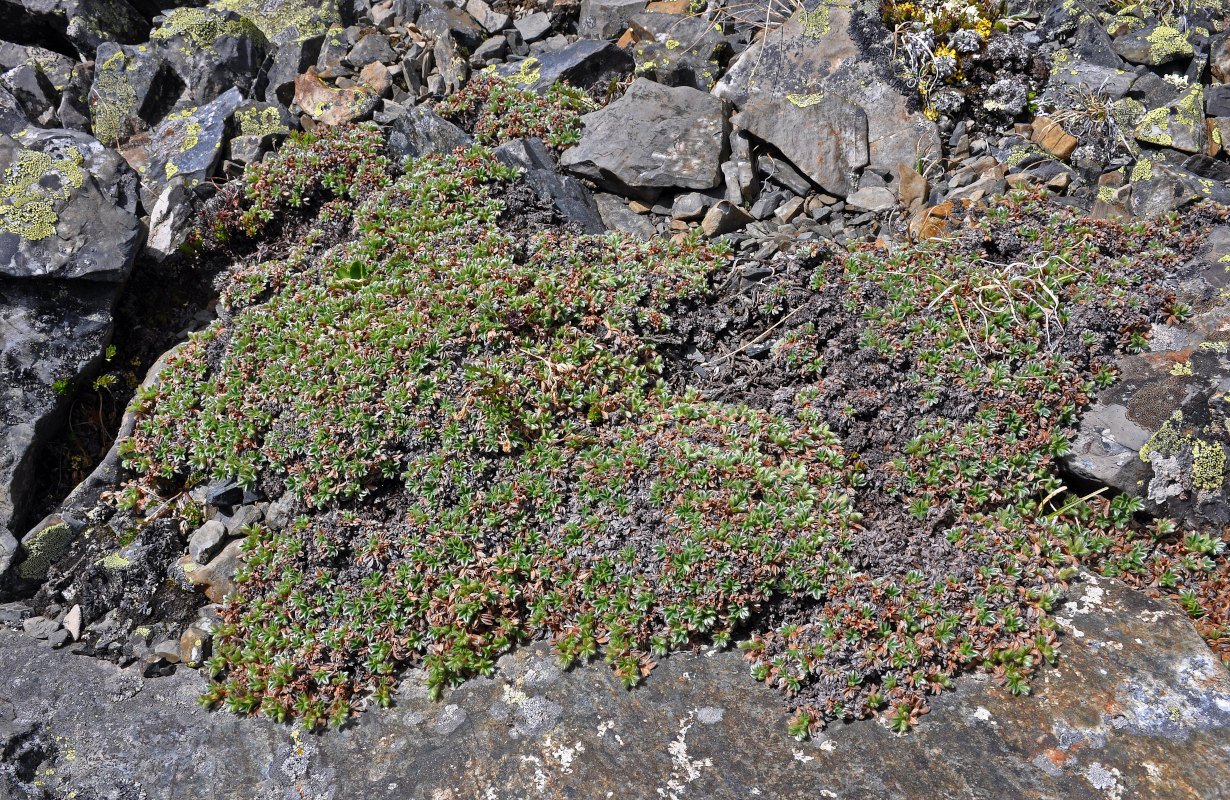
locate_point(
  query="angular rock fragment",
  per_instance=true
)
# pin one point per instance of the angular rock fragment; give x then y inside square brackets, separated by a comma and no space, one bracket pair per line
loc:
[329,106]
[1154,45]
[583,64]
[823,135]
[422,132]
[211,51]
[66,208]
[808,60]
[186,145]
[1178,124]
[652,138]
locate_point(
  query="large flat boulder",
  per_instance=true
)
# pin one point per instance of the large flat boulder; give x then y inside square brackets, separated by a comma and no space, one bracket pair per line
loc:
[653,138]
[1137,707]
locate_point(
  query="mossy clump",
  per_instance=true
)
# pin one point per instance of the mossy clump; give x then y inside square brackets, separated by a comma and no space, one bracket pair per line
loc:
[496,110]
[476,414]
[40,551]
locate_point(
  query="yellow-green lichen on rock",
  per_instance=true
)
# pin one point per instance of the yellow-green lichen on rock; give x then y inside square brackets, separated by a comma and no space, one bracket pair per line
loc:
[1208,458]
[528,72]
[43,549]
[1167,43]
[816,23]
[260,122]
[1143,169]
[32,186]
[204,26]
[283,20]
[113,98]
[1154,128]
[805,100]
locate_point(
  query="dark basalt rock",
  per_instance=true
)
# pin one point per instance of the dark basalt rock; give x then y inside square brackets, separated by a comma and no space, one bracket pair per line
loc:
[67,208]
[570,197]
[585,63]
[211,51]
[133,90]
[420,132]
[652,138]
[186,145]
[52,336]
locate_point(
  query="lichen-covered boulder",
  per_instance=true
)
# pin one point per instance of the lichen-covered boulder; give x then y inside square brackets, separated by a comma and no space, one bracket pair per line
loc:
[66,208]
[211,50]
[187,144]
[1178,124]
[1154,45]
[133,88]
[1160,431]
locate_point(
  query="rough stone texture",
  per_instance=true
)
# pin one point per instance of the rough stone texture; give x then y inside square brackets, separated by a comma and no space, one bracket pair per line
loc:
[439,19]
[206,541]
[1178,124]
[329,106]
[617,216]
[218,576]
[132,90]
[724,217]
[584,63]
[211,51]
[1159,432]
[172,217]
[825,136]
[1153,45]
[569,196]
[1160,185]
[66,208]
[679,50]
[813,56]
[1082,75]
[652,138]
[606,19]
[186,145]
[421,132]
[1137,707]
[52,335]
[79,25]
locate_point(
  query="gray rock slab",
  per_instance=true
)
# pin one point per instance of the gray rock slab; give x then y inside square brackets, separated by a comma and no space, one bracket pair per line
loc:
[1134,687]
[814,57]
[66,208]
[583,63]
[653,138]
[421,132]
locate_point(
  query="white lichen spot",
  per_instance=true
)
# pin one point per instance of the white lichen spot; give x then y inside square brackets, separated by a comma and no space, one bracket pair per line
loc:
[799,755]
[982,714]
[686,769]
[1104,779]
